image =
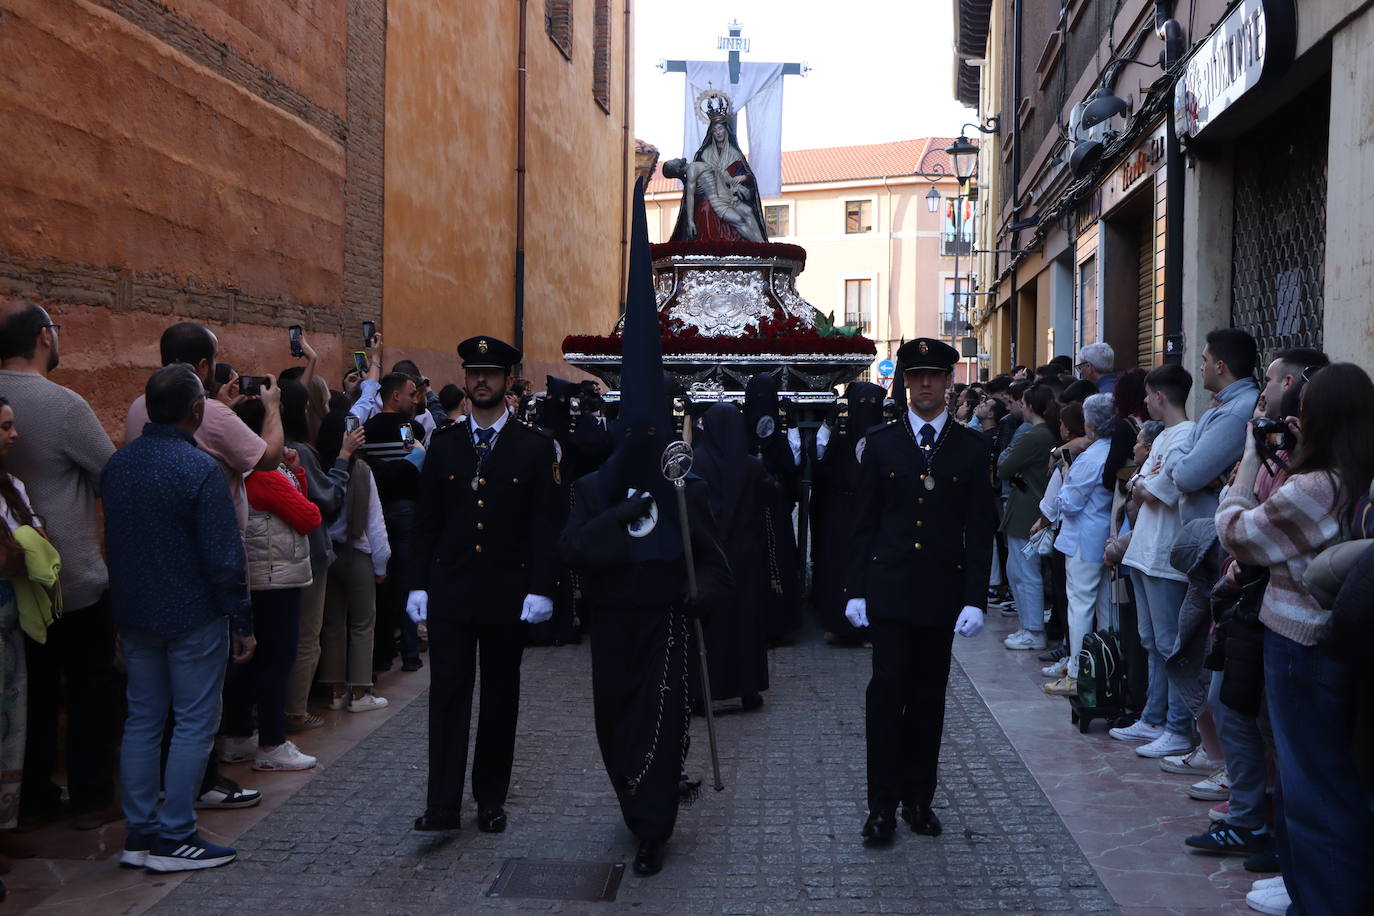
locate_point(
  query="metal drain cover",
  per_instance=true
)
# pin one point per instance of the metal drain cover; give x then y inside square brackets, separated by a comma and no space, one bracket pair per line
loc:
[549,879]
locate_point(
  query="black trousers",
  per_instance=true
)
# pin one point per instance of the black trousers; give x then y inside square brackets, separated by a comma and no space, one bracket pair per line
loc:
[640,661]
[260,683]
[80,651]
[904,712]
[453,656]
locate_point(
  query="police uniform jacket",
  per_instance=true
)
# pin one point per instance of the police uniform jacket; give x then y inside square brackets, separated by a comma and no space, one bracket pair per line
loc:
[921,555]
[486,539]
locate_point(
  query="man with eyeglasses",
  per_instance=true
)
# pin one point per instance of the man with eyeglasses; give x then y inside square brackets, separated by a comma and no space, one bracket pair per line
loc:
[61,450]
[1095,365]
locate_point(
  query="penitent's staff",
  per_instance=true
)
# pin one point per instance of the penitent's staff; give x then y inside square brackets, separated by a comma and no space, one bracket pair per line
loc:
[677,462]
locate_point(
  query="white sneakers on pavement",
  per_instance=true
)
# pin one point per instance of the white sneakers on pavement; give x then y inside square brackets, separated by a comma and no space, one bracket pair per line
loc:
[1193,764]
[1216,787]
[1269,895]
[1026,640]
[285,756]
[1165,745]
[366,703]
[1139,730]
[1058,669]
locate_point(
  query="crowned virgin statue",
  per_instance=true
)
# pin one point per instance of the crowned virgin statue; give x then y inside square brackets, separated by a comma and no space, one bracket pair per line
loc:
[720,198]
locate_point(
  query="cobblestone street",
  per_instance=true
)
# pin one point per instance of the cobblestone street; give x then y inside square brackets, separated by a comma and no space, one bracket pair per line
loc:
[781,838]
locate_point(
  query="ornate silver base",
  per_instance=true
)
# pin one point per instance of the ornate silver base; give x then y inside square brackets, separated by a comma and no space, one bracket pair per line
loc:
[813,375]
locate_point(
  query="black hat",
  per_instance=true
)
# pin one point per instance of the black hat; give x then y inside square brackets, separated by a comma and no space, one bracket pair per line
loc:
[488,353]
[925,353]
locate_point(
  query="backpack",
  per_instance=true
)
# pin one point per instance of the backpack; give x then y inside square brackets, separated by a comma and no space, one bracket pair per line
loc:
[1101,672]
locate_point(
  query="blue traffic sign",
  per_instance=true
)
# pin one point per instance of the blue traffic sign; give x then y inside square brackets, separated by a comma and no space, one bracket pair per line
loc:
[887,367]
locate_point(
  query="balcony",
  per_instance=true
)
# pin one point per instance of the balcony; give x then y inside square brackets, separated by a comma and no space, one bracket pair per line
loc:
[950,246]
[857,320]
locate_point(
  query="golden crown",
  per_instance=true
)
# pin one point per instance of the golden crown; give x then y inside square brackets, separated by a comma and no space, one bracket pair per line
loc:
[714,106]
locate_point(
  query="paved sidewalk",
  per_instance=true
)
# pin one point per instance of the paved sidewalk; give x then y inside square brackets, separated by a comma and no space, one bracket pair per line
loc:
[782,838]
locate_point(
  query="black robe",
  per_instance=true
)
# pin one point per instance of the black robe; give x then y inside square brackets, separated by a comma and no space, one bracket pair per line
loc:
[782,602]
[741,491]
[642,648]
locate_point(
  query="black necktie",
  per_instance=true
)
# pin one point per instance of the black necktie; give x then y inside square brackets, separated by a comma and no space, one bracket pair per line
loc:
[927,437]
[484,437]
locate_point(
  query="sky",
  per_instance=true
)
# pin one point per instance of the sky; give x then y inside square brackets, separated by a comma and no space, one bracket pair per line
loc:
[881,69]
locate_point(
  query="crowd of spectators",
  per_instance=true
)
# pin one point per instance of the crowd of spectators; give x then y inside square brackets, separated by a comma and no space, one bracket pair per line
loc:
[1220,567]
[252,529]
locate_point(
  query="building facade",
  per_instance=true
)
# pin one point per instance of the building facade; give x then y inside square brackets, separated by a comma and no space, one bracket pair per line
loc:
[883,244]
[1158,170]
[256,165]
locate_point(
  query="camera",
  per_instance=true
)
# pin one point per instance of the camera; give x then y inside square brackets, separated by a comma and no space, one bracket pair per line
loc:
[407,435]
[1273,435]
[251,386]
[369,332]
[295,333]
[351,422]
[360,362]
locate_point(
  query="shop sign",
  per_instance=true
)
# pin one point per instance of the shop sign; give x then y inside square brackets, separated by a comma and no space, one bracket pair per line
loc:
[1255,41]
[1138,165]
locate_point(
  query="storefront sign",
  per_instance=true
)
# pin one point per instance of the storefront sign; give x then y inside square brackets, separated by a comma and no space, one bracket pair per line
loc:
[1138,166]
[1255,41]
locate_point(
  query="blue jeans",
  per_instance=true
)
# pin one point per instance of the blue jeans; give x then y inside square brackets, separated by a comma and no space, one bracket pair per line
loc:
[1157,603]
[1325,846]
[1027,587]
[183,672]
[1242,739]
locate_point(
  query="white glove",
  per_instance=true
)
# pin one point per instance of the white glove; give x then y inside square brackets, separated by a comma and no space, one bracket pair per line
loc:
[417,606]
[856,612]
[970,622]
[536,609]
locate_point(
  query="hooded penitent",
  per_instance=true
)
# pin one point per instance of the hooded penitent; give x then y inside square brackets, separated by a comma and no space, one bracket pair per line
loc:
[645,425]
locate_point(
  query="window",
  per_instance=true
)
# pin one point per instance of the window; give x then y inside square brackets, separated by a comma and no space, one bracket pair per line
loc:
[857,296]
[858,216]
[778,218]
[558,23]
[956,232]
[601,55]
[954,310]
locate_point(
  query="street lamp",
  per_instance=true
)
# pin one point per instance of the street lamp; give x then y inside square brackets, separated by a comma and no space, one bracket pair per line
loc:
[964,155]
[932,200]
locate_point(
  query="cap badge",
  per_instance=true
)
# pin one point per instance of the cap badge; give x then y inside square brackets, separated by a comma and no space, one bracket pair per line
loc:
[923,348]
[482,346]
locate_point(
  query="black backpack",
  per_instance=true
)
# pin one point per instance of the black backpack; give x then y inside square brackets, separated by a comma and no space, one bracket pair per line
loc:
[1101,671]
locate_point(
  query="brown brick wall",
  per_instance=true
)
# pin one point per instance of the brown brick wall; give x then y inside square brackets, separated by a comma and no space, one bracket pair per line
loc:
[218,161]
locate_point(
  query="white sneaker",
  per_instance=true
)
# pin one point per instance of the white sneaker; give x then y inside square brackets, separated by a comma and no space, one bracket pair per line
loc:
[1058,669]
[1193,764]
[237,750]
[1139,730]
[1026,640]
[1216,787]
[285,756]
[1266,883]
[1166,744]
[1272,900]
[366,703]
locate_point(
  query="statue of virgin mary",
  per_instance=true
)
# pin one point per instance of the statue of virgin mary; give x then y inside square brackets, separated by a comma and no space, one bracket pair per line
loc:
[720,198]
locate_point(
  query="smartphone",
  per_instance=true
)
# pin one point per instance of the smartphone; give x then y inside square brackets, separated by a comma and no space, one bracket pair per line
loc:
[407,435]
[351,422]
[251,385]
[360,362]
[369,332]
[295,332]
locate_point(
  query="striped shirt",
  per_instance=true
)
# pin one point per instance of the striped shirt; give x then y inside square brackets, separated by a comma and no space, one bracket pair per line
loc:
[1284,533]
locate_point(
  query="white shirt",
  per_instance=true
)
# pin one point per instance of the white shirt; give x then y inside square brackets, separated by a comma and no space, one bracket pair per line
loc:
[1158,524]
[5,512]
[372,540]
[916,423]
[499,425]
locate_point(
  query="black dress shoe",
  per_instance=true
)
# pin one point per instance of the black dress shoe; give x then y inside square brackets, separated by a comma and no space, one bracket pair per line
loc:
[880,827]
[649,858]
[412,664]
[750,702]
[437,819]
[492,820]
[922,820]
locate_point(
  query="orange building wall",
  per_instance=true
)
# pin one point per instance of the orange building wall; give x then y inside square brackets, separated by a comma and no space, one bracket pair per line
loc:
[451,182]
[190,165]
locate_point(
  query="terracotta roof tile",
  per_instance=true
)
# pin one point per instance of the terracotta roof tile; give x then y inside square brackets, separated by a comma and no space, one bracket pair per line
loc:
[849,163]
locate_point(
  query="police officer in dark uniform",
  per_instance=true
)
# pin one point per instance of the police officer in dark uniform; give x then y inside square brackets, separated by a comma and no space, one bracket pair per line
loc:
[490,506]
[918,574]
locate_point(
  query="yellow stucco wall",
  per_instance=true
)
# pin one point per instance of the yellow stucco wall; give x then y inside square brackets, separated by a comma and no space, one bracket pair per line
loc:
[451,136]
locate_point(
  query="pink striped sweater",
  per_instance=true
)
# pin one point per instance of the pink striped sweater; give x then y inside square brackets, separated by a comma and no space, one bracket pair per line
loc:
[1284,533]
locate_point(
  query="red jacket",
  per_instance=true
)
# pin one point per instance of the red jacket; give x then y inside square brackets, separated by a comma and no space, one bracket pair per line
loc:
[271,491]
